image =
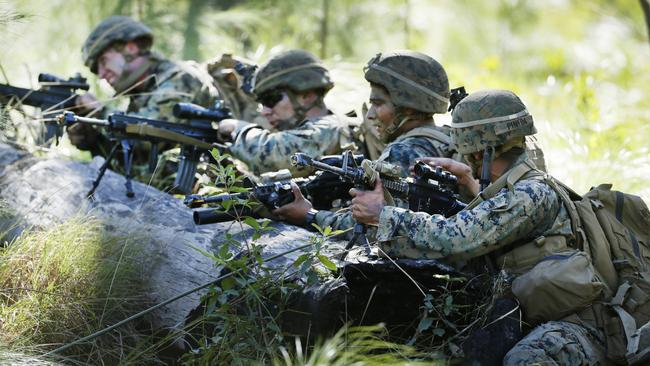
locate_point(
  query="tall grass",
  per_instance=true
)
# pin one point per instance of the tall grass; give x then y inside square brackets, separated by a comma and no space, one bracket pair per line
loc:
[64,282]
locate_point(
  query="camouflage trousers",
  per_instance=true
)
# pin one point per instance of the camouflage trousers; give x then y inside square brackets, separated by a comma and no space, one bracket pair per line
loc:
[559,343]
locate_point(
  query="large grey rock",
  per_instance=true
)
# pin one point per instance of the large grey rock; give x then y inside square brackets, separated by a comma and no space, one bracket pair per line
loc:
[44,192]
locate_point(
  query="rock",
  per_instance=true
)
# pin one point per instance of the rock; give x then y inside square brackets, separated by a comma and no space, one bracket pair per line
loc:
[43,192]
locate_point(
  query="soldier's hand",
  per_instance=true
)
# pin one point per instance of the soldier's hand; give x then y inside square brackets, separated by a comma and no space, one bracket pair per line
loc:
[462,171]
[88,103]
[227,127]
[367,205]
[294,212]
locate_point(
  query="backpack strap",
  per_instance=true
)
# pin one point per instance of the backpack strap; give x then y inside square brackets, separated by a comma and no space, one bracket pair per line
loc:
[429,130]
[509,179]
[566,194]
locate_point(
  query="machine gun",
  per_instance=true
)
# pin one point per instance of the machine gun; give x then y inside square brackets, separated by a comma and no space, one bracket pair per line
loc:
[54,95]
[194,137]
[431,190]
[324,190]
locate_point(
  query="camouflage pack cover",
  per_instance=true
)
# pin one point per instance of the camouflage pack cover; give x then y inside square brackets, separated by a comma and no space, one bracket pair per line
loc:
[489,118]
[297,70]
[112,29]
[413,80]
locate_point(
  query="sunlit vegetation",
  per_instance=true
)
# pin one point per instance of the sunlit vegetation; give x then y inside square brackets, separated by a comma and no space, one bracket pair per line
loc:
[581,67]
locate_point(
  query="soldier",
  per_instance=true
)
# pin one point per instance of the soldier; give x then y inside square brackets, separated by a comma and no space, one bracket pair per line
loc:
[517,220]
[118,50]
[291,87]
[406,89]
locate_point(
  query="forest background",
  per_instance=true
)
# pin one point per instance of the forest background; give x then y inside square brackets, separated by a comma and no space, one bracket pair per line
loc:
[581,66]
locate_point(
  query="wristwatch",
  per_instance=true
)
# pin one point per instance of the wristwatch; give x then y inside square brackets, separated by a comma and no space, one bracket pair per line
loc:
[310,218]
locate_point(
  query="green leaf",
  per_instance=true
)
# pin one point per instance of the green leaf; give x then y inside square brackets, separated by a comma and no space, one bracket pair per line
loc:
[227,283]
[425,324]
[327,262]
[227,204]
[301,260]
[251,222]
[438,332]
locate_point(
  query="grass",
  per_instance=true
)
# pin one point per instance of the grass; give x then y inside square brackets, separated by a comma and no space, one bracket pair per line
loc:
[61,283]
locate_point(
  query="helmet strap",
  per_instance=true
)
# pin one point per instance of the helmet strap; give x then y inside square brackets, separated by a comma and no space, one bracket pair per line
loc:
[301,110]
[488,157]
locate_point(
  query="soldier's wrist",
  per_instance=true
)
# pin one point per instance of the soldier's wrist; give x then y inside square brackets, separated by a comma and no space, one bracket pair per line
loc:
[310,218]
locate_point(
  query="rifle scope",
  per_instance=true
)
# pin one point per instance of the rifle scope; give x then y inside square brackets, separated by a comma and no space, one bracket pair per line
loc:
[423,170]
[193,111]
[75,82]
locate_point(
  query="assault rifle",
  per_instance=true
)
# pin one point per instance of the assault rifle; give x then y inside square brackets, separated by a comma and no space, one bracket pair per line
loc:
[431,190]
[323,189]
[54,95]
[194,137]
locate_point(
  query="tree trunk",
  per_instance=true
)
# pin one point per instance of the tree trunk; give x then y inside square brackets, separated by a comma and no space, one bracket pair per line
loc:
[192,36]
[324,28]
[645,5]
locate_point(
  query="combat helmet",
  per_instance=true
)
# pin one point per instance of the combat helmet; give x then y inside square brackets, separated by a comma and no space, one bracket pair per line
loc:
[296,70]
[412,79]
[489,119]
[115,28]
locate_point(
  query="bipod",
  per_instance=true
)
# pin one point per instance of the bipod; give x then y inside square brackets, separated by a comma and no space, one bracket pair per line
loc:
[127,150]
[358,234]
[102,170]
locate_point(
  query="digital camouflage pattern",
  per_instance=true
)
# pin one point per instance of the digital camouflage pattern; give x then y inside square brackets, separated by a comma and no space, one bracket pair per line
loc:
[489,118]
[171,83]
[265,151]
[413,80]
[112,29]
[401,152]
[559,343]
[530,210]
[297,70]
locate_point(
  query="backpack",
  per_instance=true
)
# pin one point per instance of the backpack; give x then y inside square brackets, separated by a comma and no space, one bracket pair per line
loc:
[610,269]
[613,228]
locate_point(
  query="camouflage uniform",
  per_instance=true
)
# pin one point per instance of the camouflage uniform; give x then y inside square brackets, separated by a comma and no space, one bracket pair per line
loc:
[559,343]
[402,152]
[519,213]
[171,83]
[529,210]
[167,83]
[418,82]
[292,72]
[266,151]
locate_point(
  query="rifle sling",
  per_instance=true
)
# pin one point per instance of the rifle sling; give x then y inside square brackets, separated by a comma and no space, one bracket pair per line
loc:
[161,133]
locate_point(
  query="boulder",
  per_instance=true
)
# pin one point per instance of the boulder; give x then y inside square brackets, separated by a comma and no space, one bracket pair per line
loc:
[40,192]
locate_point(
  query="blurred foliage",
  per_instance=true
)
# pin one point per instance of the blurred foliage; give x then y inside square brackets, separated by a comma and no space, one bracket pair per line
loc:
[580,66]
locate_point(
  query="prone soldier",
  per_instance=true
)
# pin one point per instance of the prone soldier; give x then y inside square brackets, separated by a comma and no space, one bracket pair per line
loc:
[515,222]
[291,87]
[406,89]
[119,51]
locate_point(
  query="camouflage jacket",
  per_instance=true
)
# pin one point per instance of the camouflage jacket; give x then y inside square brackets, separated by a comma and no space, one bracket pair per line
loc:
[413,144]
[266,151]
[522,213]
[169,84]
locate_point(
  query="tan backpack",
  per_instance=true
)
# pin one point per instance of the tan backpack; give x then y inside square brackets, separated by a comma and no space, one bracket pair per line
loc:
[608,266]
[614,229]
